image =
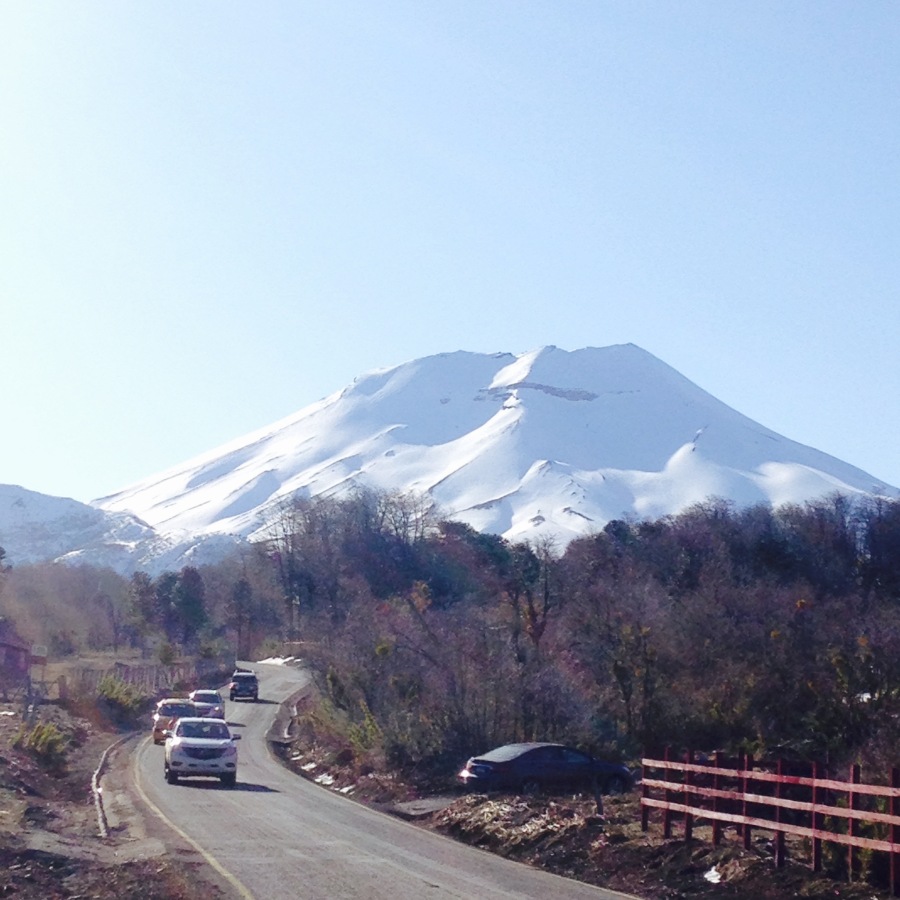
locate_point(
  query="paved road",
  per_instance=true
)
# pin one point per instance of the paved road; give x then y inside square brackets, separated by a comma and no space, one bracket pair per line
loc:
[279,836]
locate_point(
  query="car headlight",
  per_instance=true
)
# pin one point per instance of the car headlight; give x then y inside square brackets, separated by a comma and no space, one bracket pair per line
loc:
[230,750]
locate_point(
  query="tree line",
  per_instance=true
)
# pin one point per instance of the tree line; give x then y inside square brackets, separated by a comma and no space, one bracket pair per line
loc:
[719,628]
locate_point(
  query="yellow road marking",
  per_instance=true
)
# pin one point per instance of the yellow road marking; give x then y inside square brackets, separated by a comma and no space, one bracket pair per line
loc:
[231,879]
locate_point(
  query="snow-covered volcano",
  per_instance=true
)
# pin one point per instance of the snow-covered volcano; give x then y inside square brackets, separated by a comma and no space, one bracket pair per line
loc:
[548,442]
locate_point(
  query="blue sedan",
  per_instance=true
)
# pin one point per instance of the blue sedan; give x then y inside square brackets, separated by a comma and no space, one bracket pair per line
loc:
[532,767]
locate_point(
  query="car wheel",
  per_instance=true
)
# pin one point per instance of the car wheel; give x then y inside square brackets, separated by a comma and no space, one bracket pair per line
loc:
[171,777]
[616,784]
[531,787]
[229,780]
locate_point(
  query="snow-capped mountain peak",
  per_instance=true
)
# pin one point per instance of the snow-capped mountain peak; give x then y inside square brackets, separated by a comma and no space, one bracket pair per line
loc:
[548,443]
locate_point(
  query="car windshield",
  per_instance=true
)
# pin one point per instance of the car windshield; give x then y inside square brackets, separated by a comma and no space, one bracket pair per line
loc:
[207,697]
[203,730]
[176,709]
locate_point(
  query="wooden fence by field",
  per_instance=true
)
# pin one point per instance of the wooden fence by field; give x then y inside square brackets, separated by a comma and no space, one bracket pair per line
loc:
[823,810]
[149,679]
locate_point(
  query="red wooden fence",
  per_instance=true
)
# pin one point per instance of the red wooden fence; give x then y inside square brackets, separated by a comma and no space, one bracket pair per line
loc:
[779,802]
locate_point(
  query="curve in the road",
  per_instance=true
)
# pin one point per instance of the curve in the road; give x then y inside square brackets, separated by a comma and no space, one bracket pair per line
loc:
[279,836]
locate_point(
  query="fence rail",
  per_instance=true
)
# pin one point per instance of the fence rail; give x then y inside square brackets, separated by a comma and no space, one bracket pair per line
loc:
[724,794]
[153,679]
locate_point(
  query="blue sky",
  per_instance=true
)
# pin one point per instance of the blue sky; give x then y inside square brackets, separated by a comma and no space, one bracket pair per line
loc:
[214,214]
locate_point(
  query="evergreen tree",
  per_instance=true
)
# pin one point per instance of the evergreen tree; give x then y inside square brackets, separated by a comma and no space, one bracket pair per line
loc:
[189,604]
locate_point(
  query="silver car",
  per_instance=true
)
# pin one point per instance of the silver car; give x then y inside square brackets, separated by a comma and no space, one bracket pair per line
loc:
[201,747]
[209,704]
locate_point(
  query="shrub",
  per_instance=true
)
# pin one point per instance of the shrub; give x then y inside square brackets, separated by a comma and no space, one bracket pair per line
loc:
[214,649]
[167,654]
[268,648]
[122,702]
[366,734]
[45,742]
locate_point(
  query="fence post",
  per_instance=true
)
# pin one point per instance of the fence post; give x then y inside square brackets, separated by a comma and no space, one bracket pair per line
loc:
[817,819]
[688,800]
[667,813]
[853,824]
[745,806]
[717,784]
[895,836]
[645,793]
[779,834]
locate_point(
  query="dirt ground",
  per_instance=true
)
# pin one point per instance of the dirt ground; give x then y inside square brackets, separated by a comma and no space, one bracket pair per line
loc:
[51,844]
[565,835]
[50,830]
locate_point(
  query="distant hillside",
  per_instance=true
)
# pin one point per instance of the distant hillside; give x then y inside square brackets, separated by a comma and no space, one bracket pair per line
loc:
[37,528]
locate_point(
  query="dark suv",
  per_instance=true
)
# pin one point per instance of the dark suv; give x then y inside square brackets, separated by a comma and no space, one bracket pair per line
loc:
[244,685]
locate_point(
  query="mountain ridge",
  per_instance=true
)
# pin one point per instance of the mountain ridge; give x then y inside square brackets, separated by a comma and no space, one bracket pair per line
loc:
[545,444]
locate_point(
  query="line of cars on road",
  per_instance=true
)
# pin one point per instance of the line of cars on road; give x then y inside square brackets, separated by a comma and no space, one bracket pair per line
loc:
[198,742]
